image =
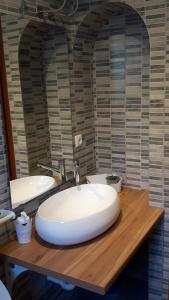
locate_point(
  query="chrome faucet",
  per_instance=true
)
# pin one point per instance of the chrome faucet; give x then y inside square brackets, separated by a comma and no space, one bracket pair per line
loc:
[77,172]
[60,169]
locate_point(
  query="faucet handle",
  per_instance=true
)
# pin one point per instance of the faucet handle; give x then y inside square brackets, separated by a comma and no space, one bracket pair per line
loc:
[77,171]
[61,163]
[76,164]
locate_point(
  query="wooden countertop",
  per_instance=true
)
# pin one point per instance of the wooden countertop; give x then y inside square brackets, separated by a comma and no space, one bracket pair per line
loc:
[93,265]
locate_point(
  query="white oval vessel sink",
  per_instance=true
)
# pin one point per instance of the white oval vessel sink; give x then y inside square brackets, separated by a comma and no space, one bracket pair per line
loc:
[77,214]
[26,188]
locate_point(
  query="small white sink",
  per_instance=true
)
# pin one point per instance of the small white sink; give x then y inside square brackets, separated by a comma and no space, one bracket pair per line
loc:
[26,188]
[77,214]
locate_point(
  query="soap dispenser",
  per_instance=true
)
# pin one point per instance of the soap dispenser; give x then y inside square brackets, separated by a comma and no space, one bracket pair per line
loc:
[23,228]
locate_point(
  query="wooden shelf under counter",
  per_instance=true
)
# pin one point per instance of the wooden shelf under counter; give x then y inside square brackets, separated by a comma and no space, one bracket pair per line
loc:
[93,265]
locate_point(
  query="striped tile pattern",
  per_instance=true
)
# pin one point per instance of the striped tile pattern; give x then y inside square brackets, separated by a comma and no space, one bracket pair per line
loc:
[116,92]
[33,97]
[121,69]
[4,179]
[39,93]
[11,42]
[57,88]
[130,106]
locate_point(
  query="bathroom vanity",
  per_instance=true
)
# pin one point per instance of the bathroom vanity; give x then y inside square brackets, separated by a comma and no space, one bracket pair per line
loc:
[95,264]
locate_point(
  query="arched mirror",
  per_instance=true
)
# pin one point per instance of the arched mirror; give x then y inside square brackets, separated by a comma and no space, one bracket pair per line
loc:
[36,100]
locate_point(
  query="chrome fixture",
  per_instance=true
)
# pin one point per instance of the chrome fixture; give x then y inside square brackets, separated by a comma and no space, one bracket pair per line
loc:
[77,172]
[44,12]
[60,169]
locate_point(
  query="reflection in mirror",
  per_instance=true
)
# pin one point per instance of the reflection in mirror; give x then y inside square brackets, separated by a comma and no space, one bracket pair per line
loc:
[37,68]
[34,187]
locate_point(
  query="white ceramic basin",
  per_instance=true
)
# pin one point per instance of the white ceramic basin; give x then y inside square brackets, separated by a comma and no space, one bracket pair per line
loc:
[101,178]
[98,178]
[77,214]
[26,188]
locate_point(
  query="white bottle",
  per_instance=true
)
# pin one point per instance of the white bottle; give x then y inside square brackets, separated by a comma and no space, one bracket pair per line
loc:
[23,228]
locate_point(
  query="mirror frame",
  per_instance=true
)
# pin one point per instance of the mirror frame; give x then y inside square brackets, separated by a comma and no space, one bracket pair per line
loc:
[6,112]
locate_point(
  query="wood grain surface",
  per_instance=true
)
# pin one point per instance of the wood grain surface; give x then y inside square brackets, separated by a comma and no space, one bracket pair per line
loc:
[93,265]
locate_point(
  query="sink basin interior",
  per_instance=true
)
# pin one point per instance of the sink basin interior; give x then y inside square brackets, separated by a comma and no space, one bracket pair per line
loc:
[76,203]
[77,214]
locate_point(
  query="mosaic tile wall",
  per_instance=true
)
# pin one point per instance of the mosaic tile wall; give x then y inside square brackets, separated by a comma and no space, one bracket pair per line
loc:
[44,75]
[34,97]
[57,82]
[4,178]
[40,107]
[153,148]
[121,97]
[11,42]
[82,32]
